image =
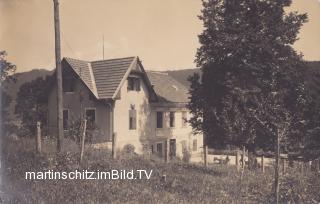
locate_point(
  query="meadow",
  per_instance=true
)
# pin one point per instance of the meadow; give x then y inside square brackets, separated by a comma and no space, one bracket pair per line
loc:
[184,183]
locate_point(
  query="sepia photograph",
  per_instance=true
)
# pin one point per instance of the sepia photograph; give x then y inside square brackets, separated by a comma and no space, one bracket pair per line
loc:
[160,101]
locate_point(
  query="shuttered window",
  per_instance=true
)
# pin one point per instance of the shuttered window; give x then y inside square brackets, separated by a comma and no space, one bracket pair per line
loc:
[132,119]
[172,119]
[133,84]
[159,119]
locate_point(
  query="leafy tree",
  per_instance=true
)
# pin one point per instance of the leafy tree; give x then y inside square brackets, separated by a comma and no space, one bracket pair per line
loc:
[32,103]
[7,70]
[252,87]
[244,44]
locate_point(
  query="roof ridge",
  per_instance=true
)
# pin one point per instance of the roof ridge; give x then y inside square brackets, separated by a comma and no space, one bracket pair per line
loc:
[76,59]
[114,59]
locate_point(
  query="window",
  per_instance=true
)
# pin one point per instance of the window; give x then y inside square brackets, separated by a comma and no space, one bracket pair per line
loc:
[172,119]
[91,117]
[194,145]
[133,84]
[65,119]
[132,119]
[68,84]
[184,119]
[159,119]
[159,149]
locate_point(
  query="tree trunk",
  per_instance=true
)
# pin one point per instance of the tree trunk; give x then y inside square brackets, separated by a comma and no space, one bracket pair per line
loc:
[59,76]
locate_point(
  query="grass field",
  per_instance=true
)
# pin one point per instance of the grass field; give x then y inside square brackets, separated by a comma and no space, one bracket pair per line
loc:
[185,183]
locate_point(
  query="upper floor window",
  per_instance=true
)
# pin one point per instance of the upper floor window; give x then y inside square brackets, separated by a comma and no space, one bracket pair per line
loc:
[133,84]
[91,117]
[184,119]
[159,119]
[132,119]
[68,84]
[65,119]
[172,119]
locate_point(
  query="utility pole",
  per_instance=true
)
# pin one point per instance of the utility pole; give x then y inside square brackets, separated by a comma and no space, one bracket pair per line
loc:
[59,75]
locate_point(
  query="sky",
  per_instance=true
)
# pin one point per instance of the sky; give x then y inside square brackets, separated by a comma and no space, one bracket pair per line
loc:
[163,33]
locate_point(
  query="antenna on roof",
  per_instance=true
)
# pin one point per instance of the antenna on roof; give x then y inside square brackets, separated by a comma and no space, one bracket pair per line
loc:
[103,47]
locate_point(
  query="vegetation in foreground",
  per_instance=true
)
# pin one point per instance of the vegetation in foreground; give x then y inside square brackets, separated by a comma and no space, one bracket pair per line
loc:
[185,183]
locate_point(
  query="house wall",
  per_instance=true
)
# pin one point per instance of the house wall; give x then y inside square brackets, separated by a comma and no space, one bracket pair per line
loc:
[182,134]
[128,99]
[71,101]
[146,134]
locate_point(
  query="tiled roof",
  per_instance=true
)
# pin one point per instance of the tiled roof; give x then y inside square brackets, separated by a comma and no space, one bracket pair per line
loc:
[167,88]
[102,77]
[109,73]
[105,77]
[82,68]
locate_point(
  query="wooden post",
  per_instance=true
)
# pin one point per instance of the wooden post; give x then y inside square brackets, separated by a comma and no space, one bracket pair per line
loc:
[38,138]
[114,145]
[83,139]
[277,160]
[237,160]
[243,157]
[283,165]
[205,155]
[167,145]
[59,76]
[262,164]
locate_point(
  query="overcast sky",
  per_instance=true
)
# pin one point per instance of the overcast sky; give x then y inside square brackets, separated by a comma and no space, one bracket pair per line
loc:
[163,33]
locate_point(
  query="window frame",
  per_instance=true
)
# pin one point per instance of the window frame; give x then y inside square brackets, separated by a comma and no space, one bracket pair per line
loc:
[134,120]
[72,81]
[160,154]
[95,114]
[157,119]
[172,119]
[63,120]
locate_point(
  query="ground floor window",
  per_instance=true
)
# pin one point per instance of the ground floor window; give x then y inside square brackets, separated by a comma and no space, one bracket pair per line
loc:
[159,149]
[91,117]
[65,119]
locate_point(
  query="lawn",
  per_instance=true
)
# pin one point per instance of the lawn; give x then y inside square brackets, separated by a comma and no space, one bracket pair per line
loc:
[185,183]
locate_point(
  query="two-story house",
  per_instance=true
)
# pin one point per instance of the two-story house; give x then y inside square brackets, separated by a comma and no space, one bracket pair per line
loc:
[144,109]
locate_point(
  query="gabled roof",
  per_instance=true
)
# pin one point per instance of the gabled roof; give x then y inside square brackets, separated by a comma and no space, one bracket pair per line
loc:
[104,79]
[167,88]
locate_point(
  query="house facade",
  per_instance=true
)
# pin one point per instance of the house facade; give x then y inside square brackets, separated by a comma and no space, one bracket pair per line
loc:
[117,96]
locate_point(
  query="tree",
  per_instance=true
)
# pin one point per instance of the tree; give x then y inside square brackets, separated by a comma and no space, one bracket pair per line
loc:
[7,70]
[252,83]
[32,103]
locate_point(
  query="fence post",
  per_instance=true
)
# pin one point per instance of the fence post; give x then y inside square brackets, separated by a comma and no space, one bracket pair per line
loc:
[205,155]
[243,155]
[283,165]
[114,145]
[262,164]
[83,139]
[167,145]
[38,138]
[237,160]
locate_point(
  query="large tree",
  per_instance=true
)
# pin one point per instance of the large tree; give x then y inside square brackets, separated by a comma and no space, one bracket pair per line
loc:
[245,54]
